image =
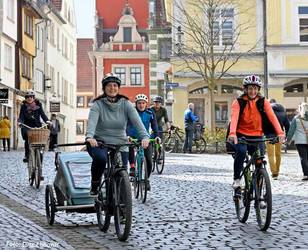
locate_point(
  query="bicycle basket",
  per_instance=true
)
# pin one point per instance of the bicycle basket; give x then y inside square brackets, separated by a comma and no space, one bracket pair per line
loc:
[38,136]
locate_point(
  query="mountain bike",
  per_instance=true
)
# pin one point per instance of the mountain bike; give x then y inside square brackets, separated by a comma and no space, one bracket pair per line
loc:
[37,138]
[114,196]
[140,178]
[255,186]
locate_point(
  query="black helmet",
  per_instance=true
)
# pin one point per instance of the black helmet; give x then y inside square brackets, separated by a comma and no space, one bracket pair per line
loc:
[158,99]
[111,77]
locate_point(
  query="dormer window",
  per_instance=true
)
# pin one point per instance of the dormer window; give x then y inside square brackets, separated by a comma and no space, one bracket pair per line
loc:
[127,34]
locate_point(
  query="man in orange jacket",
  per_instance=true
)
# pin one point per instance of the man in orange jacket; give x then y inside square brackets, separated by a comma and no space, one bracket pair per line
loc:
[248,123]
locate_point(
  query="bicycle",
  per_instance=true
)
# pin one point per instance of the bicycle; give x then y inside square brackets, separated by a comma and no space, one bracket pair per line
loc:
[38,138]
[158,158]
[256,187]
[114,196]
[140,178]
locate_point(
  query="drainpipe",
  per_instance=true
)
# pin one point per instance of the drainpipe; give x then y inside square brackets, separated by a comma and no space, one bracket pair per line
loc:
[265,58]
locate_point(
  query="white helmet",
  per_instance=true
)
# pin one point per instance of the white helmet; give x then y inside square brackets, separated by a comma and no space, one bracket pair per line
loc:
[30,93]
[141,97]
[252,80]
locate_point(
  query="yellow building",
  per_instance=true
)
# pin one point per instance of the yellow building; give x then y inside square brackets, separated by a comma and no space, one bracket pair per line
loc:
[280,57]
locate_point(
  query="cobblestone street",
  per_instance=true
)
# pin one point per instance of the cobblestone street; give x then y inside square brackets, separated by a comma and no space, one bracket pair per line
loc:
[190,206]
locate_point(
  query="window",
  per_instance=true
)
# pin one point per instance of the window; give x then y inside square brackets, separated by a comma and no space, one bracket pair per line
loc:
[58,83]
[89,101]
[38,37]
[52,34]
[80,101]
[64,91]
[229,89]
[28,25]
[26,66]
[121,73]
[135,76]
[221,112]
[8,64]
[58,39]
[127,33]
[296,88]
[10,10]
[52,78]
[64,46]
[39,81]
[71,53]
[223,27]
[80,127]
[165,49]
[303,24]
[72,94]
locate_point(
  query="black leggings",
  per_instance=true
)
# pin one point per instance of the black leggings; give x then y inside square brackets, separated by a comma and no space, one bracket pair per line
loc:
[147,154]
[4,140]
[302,150]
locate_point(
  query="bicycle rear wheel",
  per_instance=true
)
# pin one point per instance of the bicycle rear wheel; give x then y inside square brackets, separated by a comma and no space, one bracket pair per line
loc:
[242,198]
[31,165]
[38,168]
[199,146]
[263,203]
[143,180]
[160,161]
[50,204]
[122,205]
[102,214]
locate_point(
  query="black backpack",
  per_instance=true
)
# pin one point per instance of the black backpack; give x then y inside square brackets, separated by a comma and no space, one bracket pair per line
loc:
[267,127]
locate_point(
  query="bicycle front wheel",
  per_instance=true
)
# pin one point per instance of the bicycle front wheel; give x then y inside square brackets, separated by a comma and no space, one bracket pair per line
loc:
[199,146]
[38,168]
[143,181]
[242,198]
[263,203]
[31,165]
[122,205]
[102,214]
[160,161]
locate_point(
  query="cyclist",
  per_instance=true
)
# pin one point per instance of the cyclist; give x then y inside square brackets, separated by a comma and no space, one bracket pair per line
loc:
[250,123]
[149,120]
[31,113]
[107,122]
[161,115]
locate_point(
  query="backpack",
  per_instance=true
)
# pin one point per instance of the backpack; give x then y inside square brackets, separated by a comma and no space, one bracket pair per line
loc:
[267,126]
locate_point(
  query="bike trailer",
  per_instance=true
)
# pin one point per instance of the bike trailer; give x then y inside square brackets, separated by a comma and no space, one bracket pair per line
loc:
[73,179]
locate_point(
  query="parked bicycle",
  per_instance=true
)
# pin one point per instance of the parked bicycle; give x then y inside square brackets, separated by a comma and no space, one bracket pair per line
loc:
[175,140]
[140,178]
[38,140]
[256,186]
[114,196]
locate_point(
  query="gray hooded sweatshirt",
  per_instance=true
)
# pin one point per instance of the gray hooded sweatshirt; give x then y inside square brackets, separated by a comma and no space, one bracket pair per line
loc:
[107,121]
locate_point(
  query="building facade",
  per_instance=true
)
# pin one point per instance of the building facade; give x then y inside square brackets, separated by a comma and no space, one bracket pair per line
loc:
[121,45]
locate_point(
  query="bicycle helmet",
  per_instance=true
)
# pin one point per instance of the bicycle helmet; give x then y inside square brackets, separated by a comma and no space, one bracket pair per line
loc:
[30,93]
[141,97]
[158,99]
[252,80]
[111,77]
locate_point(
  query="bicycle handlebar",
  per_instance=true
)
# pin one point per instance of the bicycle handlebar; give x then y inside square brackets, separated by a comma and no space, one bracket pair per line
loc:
[26,126]
[271,140]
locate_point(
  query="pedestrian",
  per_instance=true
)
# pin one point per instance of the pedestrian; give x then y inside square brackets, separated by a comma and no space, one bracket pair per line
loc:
[107,122]
[31,113]
[189,119]
[274,150]
[5,132]
[298,132]
[54,131]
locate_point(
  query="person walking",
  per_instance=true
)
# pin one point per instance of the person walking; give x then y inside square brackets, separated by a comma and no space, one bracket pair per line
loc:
[189,119]
[54,131]
[299,133]
[274,150]
[5,132]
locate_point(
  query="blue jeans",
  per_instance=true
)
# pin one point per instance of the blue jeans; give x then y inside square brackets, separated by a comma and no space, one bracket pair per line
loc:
[189,133]
[240,154]
[100,158]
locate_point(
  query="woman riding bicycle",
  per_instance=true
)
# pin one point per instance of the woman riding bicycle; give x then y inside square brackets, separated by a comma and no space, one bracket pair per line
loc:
[107,122]
[148,119]
[30,113]
[251,114]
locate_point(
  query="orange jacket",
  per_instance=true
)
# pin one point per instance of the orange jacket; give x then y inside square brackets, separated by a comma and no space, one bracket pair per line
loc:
[250,122]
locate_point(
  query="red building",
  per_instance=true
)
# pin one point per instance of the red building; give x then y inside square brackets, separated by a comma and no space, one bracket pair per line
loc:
[121,45]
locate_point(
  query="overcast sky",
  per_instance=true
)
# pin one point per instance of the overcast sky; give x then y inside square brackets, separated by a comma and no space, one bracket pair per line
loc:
[84,11]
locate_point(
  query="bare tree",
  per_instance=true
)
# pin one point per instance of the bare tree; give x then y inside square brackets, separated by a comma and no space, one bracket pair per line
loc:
[208,39]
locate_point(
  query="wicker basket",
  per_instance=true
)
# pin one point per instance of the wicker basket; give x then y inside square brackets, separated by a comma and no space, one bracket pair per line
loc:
[38,136]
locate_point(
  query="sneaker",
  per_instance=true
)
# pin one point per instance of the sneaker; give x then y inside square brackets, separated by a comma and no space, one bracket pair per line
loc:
[275,178]
[42,178]
[94,191]
[305,178]
[132,171]
[236,184]
[148,186]
[25,160]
